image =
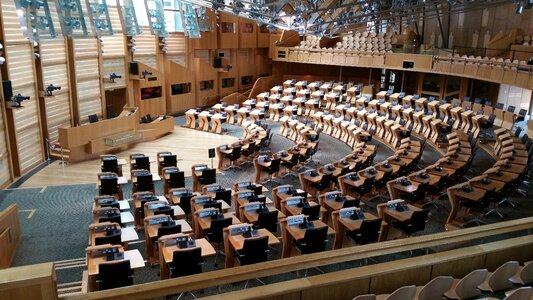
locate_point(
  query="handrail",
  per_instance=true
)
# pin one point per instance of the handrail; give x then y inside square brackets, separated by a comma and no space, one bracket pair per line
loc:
[226,276]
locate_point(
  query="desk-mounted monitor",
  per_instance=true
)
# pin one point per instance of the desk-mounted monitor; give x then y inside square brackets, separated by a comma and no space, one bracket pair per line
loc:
[93,118]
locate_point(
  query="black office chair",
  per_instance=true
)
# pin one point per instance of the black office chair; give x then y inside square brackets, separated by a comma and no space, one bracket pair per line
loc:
[268,221]
[324,184]
[109,186]
[289,164]
[142,163]
[367,233]
[233,157]
[273,168]
[312,212]
[113,219]
[254,250]
[185,204]
[215,234]
[186,262]
[165,210]
[351,203]
[167,230]
[437,191]
[209,176]
[113,239]
[176,180]
[144,183]
[169,161]
[249,153]
[114,274]
[365,188]
[417,222]
[224,195]
[314,240]
[213,204]
[418,195]
[110,164]
[478,209]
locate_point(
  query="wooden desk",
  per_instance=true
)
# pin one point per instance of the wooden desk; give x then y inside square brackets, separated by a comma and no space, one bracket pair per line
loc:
[236,243]
[397,188]
[134,256]
[331,205]
[453,164]
[203,224]
[251,216]
[432,180]
[294,232]
[494,185]
[166,252]
[127,234]
[198,206]
[293,210]
[343,224]
[391,214]
[475,195]
[151,236]
[505,176]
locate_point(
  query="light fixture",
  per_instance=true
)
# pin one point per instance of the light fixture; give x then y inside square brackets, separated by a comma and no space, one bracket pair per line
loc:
[50,89]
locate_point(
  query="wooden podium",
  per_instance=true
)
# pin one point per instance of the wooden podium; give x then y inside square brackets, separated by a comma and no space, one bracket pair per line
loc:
[90,140]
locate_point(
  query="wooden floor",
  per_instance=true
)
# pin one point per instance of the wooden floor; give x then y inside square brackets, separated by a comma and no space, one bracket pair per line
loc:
[190,146]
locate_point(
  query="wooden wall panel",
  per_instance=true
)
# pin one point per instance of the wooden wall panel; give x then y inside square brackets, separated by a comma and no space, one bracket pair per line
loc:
[247,33]
[204,71]
[11,23]
[208,39]
[145,43]
[10,235]
[5,172]
[263,37]
[153,106]
[263,66]
[176,73]
[149,60]
[246,65]
[114,65]
[25,119]
[228,40]
[87,78]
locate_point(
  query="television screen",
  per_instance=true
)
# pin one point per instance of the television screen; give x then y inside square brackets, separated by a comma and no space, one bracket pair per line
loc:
[181,88]
[150,92]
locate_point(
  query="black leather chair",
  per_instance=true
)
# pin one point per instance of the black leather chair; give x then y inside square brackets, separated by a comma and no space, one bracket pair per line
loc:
[142,163]
[324,184]
[144,183]
[209,176]
[110,164]
[268,221]
[114,274]
[186,262]
[289,164]
[109,186]
[418,195]
[112,218]
[169,161]
[368,233]
[314,240]
[167,230]
[351,203]
[272,169]
[176,180]
[224,195]
[165,210]
[215,234]
[113,239]
[417,222]
[249,153]
[312,212]
[254,250]
[233,157]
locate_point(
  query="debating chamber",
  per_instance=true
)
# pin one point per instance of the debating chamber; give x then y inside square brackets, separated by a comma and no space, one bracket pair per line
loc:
[261,149]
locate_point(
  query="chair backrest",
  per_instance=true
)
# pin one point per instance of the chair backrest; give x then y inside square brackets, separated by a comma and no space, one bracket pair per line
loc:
[112,219]
[186,262]
[526,274]
[499,279]
[213,204]
[268,220]
[351,203]
[114,274]
[403,293]
[315,239]
[274,166]
[176,180]
[165,210]
[255,250]
[312,212]
[217,226]
[142,163]
[113,239]
[467,286]
[435,288]
[110,165]
[520,293]
[236,153]
[170,160]
[224,195]
[166,230]
[209,176]
[145,182]
[418,220]
[365,297]
[108,185]
[369,231]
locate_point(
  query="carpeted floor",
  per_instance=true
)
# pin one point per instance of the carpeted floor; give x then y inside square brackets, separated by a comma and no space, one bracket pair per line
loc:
[57,229]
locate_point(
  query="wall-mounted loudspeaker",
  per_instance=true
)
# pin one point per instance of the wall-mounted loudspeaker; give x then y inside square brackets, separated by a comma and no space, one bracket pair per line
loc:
[218,63]
[8,90]
[134,68]
[408,64]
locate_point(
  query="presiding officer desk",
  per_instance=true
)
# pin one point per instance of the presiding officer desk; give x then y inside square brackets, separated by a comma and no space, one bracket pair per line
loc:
[90,140]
